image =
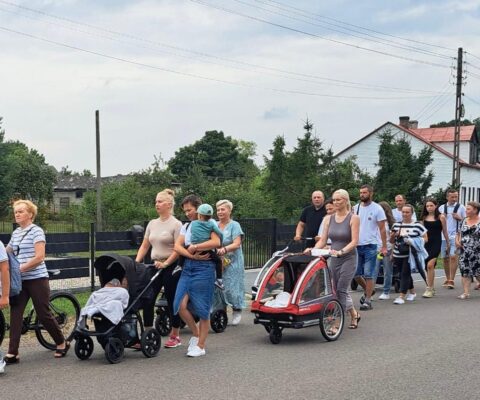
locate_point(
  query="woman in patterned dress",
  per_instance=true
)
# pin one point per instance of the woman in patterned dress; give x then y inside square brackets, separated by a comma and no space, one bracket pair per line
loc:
[468,241]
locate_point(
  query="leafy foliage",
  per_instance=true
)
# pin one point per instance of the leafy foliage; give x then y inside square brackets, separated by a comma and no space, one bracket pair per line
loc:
[400,171]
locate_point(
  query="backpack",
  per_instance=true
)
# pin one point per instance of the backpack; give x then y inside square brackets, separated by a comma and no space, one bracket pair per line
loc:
[455,210]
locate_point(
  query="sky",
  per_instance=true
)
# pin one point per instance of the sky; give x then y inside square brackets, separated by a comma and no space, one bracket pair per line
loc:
[163,72]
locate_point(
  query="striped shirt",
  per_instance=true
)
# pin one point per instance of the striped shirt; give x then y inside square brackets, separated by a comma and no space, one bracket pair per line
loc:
[412,230]
[3,257]
[27,238]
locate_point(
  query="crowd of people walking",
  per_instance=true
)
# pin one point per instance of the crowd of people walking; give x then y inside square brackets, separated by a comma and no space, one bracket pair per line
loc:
[201,254]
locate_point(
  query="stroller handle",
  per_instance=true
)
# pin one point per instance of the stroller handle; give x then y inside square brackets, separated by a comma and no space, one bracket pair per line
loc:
[302,239]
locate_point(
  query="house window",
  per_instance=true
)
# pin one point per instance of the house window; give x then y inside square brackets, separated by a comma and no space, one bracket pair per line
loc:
[474,150]
[478,194]
[79,194]
[463,196]
[64,202]
[469,194]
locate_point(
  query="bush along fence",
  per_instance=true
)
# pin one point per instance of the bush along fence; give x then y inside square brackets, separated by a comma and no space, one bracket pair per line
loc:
[74,254]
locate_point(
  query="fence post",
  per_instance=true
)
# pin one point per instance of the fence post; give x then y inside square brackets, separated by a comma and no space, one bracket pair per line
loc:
[92,256]
[274,236]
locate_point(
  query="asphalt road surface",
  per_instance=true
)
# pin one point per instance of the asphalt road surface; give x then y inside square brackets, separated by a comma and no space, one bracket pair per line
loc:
[420,350]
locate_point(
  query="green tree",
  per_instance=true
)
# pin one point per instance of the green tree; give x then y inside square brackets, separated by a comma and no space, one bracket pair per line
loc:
[24,173]
[400,171]
[216,156]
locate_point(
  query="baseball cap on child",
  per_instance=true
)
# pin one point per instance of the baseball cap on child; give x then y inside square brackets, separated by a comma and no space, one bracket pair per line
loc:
[205,209]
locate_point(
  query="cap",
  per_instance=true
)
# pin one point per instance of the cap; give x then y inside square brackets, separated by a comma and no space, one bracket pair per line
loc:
[205,209]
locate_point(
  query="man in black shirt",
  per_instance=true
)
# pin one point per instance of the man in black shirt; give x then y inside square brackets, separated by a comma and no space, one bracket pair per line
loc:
[312,217]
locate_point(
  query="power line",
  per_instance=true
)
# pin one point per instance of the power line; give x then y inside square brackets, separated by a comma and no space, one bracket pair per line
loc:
[472,55]
[191,75]
[343,30]
[360,27]
[317,36]
[471,65]
[336,82]
[472,99]
[432,102]
[438,109]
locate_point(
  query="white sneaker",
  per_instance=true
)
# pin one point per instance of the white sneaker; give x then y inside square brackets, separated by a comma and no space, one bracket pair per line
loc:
[384,296]
[192,343]
[410,296]
[398,300]
[236,317]
[196,352]
[2,366]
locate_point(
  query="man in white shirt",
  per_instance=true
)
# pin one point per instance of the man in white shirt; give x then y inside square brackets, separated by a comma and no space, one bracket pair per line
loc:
[454,213]
[372,220]
[400,201]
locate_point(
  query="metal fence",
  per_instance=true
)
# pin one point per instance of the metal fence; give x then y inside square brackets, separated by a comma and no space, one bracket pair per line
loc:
[74,253]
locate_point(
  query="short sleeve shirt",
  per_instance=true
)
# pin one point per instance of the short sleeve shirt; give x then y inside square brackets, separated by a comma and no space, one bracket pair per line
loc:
[23,243]
[453,226]
[312,217]
[162,236]
[370,216]
[397,214]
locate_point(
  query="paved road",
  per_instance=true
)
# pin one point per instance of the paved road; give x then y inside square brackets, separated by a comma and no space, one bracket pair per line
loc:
[421,350]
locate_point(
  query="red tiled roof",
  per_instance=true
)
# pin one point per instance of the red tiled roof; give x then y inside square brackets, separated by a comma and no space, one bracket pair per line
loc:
[445,134]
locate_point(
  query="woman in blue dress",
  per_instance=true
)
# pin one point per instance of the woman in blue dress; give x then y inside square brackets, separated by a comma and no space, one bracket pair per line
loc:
[231,251]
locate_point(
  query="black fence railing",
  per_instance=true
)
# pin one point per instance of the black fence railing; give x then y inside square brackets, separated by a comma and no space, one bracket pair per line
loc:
[74,253]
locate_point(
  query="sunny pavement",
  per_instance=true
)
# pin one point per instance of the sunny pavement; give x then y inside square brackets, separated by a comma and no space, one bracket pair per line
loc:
[421,350]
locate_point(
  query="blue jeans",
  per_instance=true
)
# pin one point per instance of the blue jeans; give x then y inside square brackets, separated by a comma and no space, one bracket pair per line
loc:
[387,272]
[367,261]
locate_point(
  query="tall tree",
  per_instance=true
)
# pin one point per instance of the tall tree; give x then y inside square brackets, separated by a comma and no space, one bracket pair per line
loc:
[400,171]
[216,155]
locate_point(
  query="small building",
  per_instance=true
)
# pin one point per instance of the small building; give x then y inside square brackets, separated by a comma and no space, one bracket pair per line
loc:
[69,189]
[441,140]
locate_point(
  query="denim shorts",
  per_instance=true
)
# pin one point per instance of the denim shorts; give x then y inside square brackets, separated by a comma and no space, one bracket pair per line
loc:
[444,247]
[366,261]
[197,280]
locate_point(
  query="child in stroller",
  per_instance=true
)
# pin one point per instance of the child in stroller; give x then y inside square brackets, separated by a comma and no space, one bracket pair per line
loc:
[123,327]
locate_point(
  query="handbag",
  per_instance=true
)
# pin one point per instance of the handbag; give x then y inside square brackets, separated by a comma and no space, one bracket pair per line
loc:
[403,249]
[15,275]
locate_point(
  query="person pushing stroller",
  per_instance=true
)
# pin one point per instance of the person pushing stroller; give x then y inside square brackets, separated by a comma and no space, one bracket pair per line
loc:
[201,230]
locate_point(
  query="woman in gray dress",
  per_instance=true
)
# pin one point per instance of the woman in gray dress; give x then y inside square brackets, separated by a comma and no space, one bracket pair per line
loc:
[342,229]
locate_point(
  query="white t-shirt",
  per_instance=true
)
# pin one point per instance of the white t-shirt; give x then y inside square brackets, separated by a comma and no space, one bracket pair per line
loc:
[397,214]
[370,216]
[3,257]
[452,224]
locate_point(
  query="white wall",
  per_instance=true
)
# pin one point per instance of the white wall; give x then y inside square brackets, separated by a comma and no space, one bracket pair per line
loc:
[464,149]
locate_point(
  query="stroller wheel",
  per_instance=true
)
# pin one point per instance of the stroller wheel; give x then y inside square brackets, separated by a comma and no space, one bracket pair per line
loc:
[219,321]
[151,342]
[83,347]
[275,335]
[163,323]
[331,320]
[114,350]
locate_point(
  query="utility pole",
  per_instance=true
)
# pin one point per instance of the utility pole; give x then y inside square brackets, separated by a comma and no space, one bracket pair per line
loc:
[458,117]
[99,175]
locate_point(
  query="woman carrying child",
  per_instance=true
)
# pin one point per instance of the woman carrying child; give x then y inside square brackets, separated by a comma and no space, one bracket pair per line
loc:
[196,284]
[160,235]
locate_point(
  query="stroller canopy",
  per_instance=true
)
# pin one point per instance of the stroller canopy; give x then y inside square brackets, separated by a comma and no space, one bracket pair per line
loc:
[110,266]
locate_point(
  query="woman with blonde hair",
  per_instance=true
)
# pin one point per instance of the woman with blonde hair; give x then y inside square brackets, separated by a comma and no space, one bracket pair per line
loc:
[342,229]
[231,250]
[161,234]
[28,245]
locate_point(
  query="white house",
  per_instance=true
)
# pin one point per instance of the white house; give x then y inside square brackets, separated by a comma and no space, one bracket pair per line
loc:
[441,140]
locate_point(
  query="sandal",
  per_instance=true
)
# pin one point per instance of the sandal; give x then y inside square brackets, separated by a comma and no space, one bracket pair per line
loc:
[60,353]
[477,286]
[451,285]
[355,321]
[464,296]
[11,359]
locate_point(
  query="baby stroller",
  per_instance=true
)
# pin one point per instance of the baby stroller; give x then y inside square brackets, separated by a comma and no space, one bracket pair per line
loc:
[296,291]
[130,330]
[218,314]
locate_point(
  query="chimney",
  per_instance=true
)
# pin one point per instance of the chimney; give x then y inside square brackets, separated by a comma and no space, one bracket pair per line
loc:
[413,124]
[404,122]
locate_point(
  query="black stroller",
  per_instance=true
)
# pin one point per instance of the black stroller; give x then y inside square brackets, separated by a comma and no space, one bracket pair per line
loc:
[218,314]
[130,330]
